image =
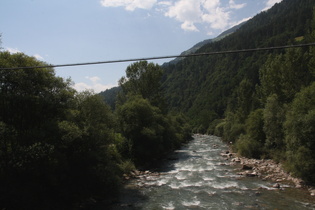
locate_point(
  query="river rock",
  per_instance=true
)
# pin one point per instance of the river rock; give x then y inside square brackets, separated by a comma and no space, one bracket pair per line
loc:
[137,173]
[237,160]
[253,174]
[277,185]
[247,167]
[312,191]
[224,155]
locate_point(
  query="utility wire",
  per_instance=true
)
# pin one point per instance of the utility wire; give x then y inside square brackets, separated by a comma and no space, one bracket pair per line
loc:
[165,57]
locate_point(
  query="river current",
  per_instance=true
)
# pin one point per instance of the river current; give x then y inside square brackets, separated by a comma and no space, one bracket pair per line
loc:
[197,177]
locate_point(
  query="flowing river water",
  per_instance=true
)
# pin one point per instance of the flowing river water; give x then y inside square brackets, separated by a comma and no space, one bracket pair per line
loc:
[197,177]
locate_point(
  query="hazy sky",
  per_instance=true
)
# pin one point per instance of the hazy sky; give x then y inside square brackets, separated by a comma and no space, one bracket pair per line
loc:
[75,31]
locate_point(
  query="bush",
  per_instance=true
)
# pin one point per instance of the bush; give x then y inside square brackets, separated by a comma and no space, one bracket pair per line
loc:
[248,147]
[300,134]
[213,125]
[219,129]
[274,117]
[254,126]
[127,166]
[232,128]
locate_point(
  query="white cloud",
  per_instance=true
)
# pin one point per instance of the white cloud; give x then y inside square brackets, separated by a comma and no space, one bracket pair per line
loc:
[270,3]
[81,86]
[241,21]
[218,18]
[186,11]
[130,5]
[190,13]
[233,5]
[94,79]
[94,83]
[38,57]
[165,3]
[13,50]
[189,26]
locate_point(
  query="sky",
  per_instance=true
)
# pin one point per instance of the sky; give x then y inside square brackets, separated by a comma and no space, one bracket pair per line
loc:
[79,31]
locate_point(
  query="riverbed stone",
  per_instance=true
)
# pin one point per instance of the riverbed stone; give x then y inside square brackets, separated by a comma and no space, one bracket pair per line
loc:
[277,185]
[237,160]
[251,174]
[247,167]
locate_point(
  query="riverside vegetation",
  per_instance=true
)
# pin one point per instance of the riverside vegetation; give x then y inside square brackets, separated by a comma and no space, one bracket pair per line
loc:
[261,102]
[63,149]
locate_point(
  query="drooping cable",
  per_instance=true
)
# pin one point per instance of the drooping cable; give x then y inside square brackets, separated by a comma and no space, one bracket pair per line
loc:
[165,57]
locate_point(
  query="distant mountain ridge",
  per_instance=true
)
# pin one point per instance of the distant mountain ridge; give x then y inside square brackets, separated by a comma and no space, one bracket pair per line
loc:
[204,42]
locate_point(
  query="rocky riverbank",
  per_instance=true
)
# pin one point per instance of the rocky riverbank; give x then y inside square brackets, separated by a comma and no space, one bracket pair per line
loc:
[265,169]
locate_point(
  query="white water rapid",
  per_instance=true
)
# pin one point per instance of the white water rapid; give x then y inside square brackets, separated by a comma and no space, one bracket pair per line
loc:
[197,177]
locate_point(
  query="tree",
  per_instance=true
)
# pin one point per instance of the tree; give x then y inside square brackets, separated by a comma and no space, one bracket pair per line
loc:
[57,146]
[143,78]
[300,134]
[31,103]
[144,126]
[285,75]
[149,130]
[251,144]
[31,99]
[87,147]
[274,117]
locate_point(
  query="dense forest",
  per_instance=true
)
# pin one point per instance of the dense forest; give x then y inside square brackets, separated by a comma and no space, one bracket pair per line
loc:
[261,102]
[62,149]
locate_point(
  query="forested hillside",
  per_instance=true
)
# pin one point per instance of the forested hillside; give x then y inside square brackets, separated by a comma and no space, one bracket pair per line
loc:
[262,102]
[203,43]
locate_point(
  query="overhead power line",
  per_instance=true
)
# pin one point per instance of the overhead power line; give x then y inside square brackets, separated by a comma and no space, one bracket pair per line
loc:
[165,57]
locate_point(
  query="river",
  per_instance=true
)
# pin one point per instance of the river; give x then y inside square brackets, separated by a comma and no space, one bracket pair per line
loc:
[197,177]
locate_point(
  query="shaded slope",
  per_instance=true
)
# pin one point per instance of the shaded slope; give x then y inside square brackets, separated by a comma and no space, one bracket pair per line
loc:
[203,86]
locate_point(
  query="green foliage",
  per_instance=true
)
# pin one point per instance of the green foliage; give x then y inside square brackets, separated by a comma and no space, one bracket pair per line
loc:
[274,117]
[219,129]
[127,166]
[251,91]
[300,134]
[205,117]
[212,126]
[151,133]
[149,130]
[209,82]
[248,147]
[244,99]
[110,96]
[233,128]
[143,78]
[251,144]
[57,147]
[254,126]
[285,74]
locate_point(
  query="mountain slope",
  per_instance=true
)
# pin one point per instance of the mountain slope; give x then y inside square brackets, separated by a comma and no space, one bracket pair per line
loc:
[109,95]
[206,84]
[204,42]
